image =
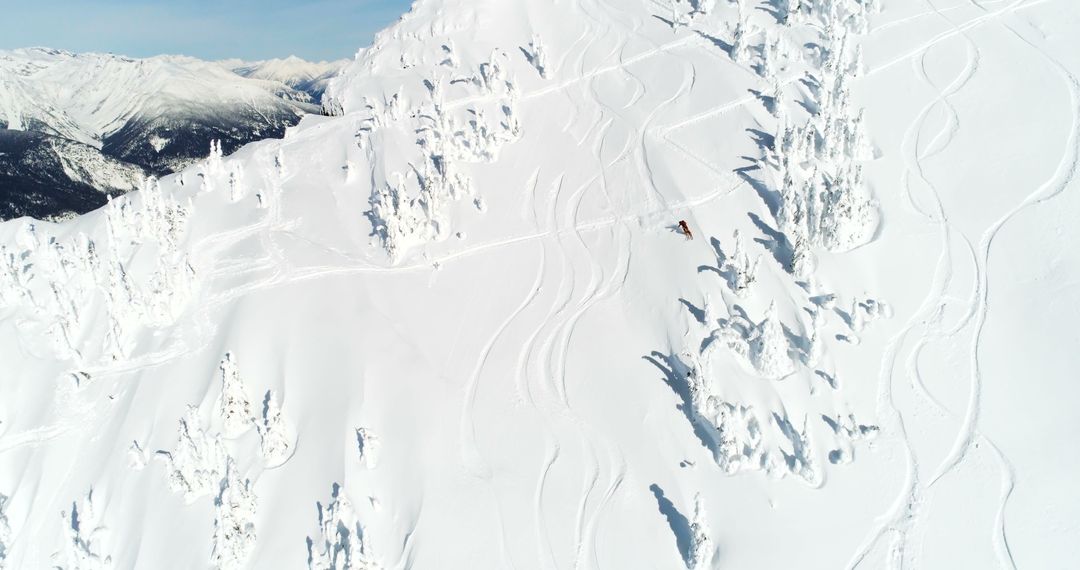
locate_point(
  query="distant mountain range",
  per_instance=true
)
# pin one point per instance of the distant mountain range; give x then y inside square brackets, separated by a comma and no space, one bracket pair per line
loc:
[76,127]
[303,76]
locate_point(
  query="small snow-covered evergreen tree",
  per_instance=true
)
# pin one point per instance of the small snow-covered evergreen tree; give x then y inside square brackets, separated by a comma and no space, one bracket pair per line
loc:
[740,40]
[769,347]
[368,445]
[274,433]
[236,412]
[234,521]
[703,7]
[237,188]
[5,531]
[701,544]
[741,270]
[538,56]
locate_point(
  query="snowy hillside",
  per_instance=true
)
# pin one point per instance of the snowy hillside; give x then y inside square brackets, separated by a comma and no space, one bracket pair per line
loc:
[305,76]
[457,325]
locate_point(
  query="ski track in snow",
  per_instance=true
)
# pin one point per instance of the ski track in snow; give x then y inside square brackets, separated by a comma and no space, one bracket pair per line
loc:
[471,456]
[903,514]
[1059,181]
[546,553]
[903,517]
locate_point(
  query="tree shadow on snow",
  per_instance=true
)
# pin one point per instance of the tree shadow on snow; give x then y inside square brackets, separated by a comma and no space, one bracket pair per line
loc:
[716,41]
[680,525]
[676,377]
[697,312]
[776,242]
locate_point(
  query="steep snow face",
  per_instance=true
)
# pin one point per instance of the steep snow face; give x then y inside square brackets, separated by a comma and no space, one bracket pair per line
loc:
[468,332]
[305,76]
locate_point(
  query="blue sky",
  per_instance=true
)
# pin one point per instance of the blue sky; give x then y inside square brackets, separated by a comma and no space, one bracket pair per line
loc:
[249,29]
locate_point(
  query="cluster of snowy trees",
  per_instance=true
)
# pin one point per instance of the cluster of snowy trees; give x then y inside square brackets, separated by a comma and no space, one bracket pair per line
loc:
[62,279]
[410,206]
[763,346]
[816,164]
[83,532]
[234,521]
[340,545]
[201,464]
[197,462]
[136,274]
[740,436]
[733,428]
[238,416]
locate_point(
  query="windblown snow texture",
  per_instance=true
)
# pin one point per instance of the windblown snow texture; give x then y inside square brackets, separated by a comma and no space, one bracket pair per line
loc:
[456,324]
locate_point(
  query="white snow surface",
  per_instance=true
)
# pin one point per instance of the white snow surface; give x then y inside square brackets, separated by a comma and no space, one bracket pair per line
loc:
[88,96]
[468,333]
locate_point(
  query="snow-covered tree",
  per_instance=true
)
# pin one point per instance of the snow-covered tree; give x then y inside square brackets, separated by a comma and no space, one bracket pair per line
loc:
[137,457]
[275,435]
[237,188]
[341,544]
[197,464]
[83,532]
[795,222]
[5,531]
[701,545]
[234,521]
[538,56]
[769,347]
[703,7]
[368,445]
[740,269]
[236,411]
[740,40]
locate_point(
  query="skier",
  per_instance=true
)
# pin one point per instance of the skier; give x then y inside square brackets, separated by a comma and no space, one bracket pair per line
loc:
[685,229]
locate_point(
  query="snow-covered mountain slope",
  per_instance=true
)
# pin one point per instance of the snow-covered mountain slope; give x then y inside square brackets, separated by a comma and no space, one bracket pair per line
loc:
[45,176]
[306,76]
[457,326]
[158,112]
